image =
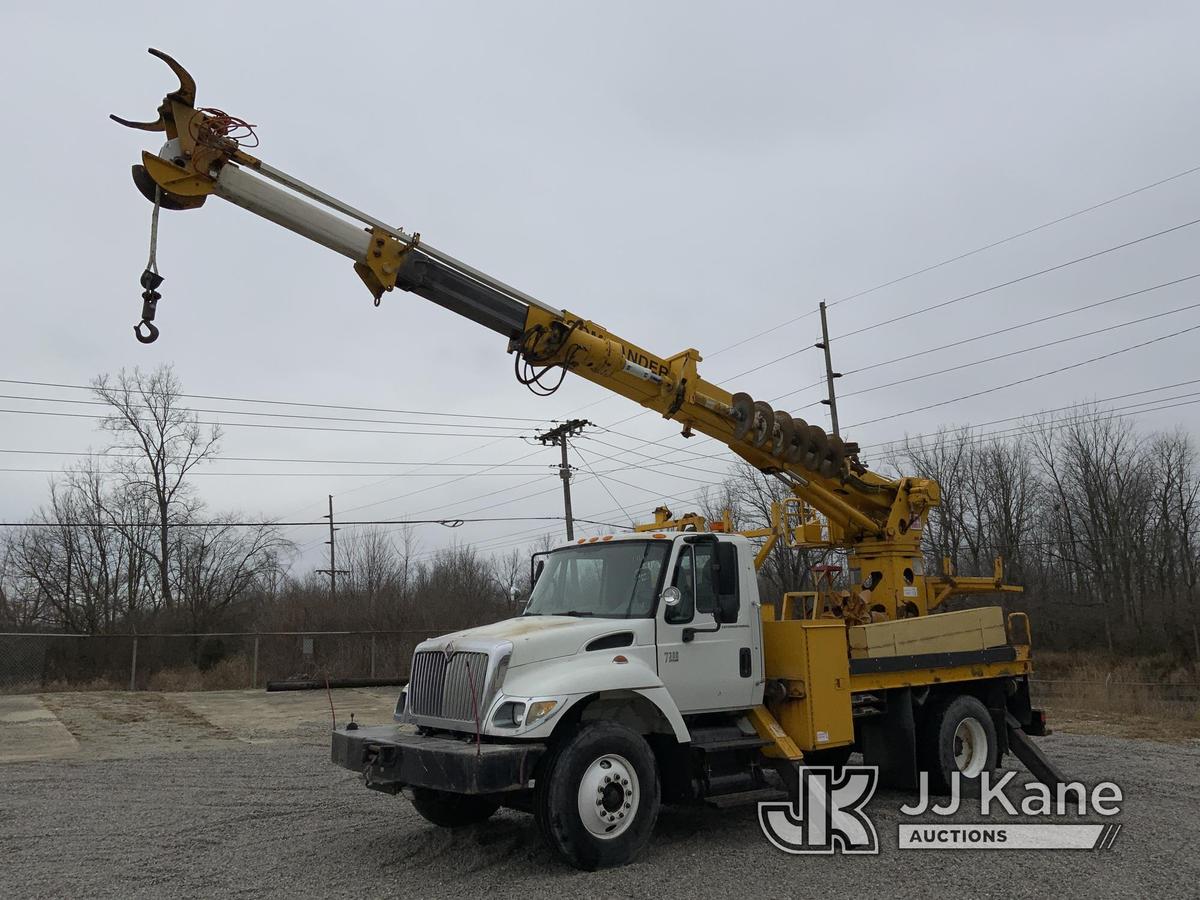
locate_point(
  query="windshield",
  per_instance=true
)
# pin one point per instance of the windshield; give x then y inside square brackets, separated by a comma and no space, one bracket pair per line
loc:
[618,580]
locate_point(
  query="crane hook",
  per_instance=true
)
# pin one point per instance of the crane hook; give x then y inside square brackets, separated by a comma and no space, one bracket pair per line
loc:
[150,280]
[152,332]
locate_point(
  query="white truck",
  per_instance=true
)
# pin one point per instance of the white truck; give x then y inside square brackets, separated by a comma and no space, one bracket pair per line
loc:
[638,674]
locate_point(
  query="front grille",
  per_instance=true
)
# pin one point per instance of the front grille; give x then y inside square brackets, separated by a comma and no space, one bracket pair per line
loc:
[442,688]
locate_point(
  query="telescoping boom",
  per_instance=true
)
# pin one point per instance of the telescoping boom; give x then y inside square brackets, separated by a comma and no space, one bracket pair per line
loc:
[836,501]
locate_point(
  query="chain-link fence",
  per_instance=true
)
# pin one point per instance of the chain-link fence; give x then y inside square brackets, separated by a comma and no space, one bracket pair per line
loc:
[1114,695]
[193,662]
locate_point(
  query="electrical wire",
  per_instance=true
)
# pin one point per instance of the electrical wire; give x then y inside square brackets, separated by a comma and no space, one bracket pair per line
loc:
[67,415]
[603,483]
[1009,354]
[961,256]
[1027,379]
[412,412]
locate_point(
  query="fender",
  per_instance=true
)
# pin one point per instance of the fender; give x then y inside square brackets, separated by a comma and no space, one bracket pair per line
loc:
[580,677]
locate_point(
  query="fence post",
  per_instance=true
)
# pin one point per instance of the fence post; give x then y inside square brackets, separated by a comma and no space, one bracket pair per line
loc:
[254,666]
[372,654]
[133,666]
[1108,689]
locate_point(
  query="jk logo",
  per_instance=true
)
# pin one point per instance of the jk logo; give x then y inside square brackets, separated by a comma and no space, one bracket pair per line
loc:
[828,816]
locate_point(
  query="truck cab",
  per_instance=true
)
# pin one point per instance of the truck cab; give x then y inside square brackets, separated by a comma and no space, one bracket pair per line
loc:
[585,709]
[673,619]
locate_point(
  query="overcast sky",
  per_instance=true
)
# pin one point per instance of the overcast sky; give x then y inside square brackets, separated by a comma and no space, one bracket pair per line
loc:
[686,175]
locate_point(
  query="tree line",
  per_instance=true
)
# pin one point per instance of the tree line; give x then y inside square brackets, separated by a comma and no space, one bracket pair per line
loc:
[1098,520]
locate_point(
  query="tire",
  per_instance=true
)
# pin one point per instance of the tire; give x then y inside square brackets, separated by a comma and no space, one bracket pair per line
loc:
[615,766]
[958,735]
[835,757]
[449,810]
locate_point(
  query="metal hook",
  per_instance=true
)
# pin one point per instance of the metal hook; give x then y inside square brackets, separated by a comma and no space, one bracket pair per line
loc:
[149,338]
[150,297]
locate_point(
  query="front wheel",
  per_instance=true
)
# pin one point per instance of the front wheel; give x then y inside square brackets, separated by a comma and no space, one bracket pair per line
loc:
[597,796]
[452,810]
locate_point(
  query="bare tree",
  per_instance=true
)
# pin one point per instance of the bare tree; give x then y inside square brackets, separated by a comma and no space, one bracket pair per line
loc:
[166,440]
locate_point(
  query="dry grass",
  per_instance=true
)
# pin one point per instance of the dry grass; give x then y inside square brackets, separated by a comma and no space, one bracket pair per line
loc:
[230,673]
[1153,697]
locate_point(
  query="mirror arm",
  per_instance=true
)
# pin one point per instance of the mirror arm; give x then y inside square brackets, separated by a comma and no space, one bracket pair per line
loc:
[689,634]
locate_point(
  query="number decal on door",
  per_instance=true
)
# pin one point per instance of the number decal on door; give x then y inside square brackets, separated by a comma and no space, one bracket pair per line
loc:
[670,656]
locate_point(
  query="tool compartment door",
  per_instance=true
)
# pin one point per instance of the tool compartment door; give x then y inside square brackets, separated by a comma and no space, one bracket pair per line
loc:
[811,658]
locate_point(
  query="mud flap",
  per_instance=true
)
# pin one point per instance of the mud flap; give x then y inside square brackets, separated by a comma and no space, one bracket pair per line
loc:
[890,742]
[1031,755]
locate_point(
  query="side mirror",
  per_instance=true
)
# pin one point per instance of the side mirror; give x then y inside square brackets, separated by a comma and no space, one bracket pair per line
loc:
[537,562]
[671,596]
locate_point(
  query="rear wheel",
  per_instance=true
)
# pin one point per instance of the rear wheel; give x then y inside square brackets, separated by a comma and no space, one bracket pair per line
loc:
[597,796]
[452,810]
[958,735]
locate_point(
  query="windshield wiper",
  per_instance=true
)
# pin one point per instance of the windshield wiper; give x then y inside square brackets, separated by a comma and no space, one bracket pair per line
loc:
[576,612]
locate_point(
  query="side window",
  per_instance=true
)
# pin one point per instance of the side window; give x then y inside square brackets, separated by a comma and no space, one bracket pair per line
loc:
[700,581]
[684,579]
[706,584]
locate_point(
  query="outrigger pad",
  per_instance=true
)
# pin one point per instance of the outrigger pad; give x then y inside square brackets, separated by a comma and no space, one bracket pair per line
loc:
[1031,755]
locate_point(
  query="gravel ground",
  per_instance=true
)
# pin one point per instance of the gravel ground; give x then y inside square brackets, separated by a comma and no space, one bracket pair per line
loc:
[278,820]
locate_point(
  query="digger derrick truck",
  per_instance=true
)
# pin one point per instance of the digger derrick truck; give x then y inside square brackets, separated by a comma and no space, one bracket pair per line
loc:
[645,667]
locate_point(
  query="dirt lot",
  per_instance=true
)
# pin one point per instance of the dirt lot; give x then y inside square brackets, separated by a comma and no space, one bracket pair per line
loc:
[230,793]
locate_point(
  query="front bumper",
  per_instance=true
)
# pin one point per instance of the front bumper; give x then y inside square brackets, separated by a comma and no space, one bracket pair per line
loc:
[390,758]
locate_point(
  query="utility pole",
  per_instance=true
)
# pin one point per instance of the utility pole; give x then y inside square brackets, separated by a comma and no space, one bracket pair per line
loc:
[560,436]
[333,571]
[829,373]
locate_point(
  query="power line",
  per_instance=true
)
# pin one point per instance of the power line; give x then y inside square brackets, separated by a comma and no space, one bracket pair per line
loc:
[908,357]
[978,293]
[1011,353]
[418,412]
[283,474]
[236,412]
[1001,387]
[271,459]
[1026,415]
[423,490]
[40,412]
[962,256]
[995,287]
[603,484]
[447,521]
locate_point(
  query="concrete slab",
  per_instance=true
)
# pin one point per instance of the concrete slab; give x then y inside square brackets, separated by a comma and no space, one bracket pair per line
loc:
[259,717]
[29,731]
[123,724]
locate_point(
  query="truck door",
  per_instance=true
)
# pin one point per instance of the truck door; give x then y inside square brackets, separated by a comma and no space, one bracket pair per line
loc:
[706,667]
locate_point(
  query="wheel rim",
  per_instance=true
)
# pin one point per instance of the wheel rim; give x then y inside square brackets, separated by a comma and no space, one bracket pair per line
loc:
[608,796]
[970,747]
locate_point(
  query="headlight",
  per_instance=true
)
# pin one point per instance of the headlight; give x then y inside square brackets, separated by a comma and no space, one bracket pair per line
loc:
[539,710]
[401,705]
[509,715]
